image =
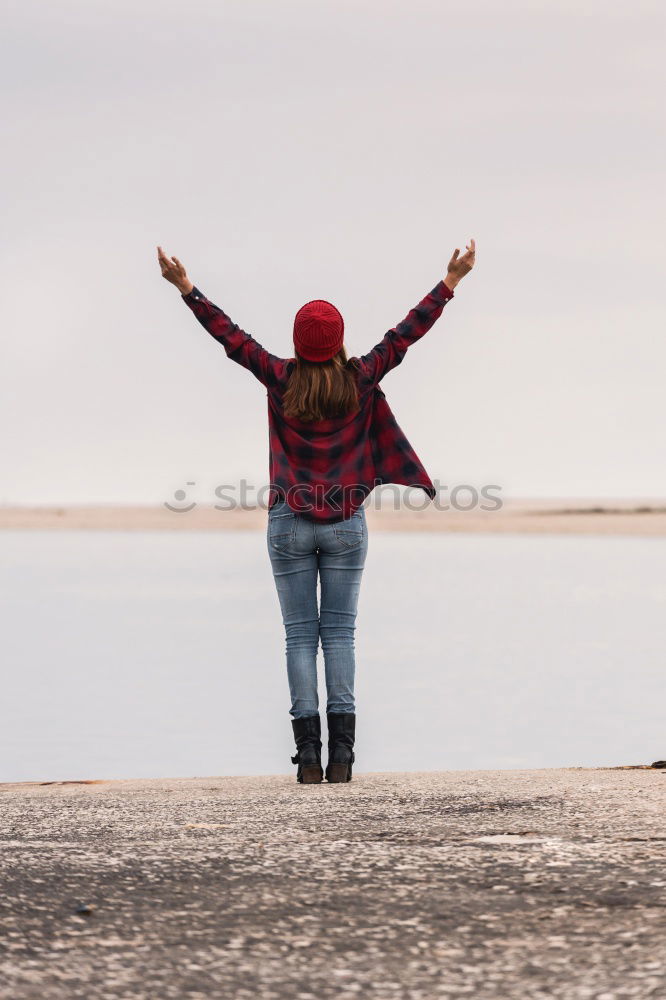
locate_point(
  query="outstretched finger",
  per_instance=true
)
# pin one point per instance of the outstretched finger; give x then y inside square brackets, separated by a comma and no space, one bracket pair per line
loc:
[178,263]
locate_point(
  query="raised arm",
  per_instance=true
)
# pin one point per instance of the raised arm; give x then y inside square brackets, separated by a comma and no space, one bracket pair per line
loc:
[390,351]
[238,344]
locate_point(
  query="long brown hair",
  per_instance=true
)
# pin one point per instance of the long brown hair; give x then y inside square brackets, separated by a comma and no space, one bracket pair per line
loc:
[319,390]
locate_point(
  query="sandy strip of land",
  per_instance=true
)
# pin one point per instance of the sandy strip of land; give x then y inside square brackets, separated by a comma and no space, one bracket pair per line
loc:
[493,885]
[621,517]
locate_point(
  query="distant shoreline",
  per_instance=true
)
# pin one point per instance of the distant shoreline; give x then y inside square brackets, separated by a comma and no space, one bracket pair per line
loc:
[558,516]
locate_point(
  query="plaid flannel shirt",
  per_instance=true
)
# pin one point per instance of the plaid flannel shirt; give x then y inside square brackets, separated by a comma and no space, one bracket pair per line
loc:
[326,469]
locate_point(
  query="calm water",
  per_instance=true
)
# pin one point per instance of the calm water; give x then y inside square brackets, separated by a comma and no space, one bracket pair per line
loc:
[157,654]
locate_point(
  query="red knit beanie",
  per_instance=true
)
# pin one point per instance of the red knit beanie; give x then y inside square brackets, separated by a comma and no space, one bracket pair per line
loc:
[318,330]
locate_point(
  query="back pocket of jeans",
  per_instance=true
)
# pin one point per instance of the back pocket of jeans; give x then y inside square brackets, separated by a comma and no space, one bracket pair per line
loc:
[281,529]
[350,532]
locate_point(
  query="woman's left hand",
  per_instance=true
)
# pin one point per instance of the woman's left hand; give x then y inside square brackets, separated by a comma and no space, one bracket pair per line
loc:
[174,272]
[460,266]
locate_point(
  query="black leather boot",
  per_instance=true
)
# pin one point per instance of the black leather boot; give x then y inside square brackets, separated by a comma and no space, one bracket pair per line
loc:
[307,734]
[341,734]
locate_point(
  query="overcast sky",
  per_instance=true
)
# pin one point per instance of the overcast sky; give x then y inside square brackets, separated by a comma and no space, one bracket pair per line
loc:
[294,150]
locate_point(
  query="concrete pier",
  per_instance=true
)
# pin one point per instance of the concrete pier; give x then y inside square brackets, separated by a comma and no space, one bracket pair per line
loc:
[507,884]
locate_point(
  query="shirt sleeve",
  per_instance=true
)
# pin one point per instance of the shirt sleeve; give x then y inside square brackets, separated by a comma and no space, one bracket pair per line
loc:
[238,344]
[390,351]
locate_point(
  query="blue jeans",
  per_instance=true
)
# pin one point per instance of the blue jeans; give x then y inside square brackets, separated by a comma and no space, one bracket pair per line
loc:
[300,551]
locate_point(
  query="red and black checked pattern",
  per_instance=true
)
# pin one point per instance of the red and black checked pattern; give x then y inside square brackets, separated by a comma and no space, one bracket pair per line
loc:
[326,469]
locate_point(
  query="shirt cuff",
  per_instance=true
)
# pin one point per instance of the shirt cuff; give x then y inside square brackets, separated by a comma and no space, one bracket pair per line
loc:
[194,294]
[442,291]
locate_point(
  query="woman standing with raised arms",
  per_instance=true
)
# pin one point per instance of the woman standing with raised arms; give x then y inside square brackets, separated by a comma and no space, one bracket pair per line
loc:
[333,438]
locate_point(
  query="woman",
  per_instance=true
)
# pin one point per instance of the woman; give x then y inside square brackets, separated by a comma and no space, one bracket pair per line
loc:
[333,438]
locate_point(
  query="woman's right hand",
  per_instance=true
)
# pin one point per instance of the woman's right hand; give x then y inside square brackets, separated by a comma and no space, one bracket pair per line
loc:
[174,272]
[460,266]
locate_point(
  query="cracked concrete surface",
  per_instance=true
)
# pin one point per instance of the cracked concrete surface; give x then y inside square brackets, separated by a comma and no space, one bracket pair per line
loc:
[506,884]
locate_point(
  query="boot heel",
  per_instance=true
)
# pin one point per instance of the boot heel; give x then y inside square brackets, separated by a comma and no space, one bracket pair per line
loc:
[338,773]
[311,775]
